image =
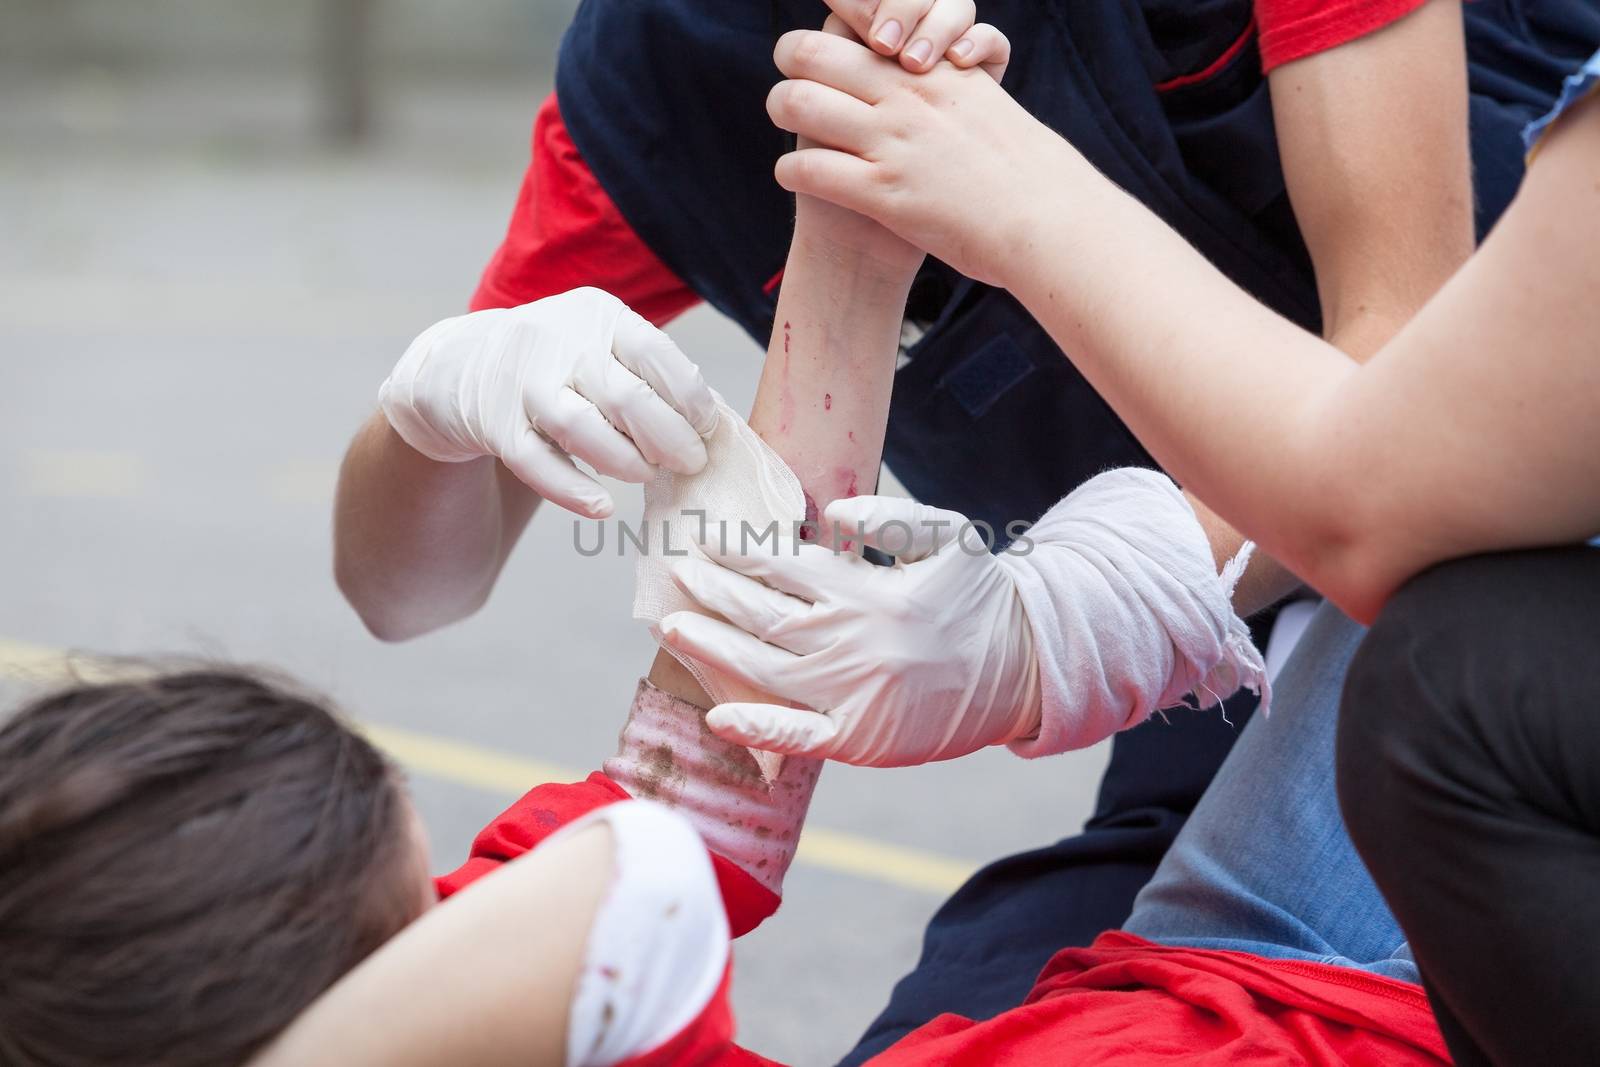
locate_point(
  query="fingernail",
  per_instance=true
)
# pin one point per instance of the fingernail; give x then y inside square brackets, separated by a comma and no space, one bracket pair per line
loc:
[962,48]
[601,508]
[920,51]
[888,34]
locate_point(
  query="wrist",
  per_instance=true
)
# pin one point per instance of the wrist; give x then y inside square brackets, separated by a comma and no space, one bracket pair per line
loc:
[665,753]
[1040,222]
[398,430]
[850,242]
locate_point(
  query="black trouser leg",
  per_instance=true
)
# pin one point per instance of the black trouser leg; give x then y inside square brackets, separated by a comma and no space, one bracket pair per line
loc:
[1469,776]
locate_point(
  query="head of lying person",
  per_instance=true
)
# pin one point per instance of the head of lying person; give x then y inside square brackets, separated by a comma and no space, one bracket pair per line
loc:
[186,862]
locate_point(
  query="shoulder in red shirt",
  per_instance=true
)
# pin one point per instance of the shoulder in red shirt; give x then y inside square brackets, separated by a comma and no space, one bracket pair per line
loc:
[1294,29]
[565,233]
[545,809]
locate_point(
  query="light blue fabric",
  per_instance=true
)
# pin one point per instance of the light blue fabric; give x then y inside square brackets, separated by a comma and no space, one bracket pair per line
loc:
[1264,864]
[1575,88]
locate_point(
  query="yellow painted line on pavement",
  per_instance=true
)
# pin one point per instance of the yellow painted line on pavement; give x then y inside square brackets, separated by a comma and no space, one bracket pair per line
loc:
[463,764]
[303,483]
[494,772]
[908,868]
[82,473]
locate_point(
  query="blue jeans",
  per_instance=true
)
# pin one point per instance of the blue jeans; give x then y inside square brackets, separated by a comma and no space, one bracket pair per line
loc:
[1264,864]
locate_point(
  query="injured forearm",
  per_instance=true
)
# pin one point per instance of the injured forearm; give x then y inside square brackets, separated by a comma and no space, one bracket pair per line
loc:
[823,400]
[821,408]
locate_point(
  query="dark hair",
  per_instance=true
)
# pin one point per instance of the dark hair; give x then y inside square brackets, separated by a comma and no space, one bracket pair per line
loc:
[186,862]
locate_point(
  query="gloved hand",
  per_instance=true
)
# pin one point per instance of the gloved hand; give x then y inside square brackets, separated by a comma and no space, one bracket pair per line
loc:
[575,376]
[1110,608]
[926,660]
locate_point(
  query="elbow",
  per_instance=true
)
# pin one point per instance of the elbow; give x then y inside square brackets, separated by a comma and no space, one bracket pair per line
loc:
[1348,515]
[387,626]
[1353,555]
[393,614]
[1356,578]
[376,613]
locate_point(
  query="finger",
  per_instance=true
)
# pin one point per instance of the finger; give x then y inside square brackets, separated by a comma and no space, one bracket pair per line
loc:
[730,650]
[661,435]
[578,428]
[832,60]
[548,471]
[903,528]
[772,728]
[842,28]
[809,572]
[823,114]
[893,23]
[940,28]
[655,358]
[851,19]
[831,175]
[758,609]
[982,46]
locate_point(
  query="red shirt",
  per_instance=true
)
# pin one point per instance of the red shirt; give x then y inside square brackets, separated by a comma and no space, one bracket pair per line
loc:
[547,808]
[1128,1002]
[565,233]
[1294,29]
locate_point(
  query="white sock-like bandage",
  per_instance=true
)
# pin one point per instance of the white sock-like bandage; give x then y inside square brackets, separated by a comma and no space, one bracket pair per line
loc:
[745,492]
[658,946]
[1128,612]
[667,754]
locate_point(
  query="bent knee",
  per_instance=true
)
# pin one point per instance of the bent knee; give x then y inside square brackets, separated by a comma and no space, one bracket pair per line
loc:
[1400,673]
[1468,629]
[1467,662]
[1406,691]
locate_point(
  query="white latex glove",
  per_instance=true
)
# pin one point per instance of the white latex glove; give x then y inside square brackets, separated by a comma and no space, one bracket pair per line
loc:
[575,376]
[927,660]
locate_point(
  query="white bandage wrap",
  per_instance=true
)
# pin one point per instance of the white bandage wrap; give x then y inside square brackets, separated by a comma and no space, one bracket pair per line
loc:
[744,492]
[668,755]
[659,943]
[1128,612]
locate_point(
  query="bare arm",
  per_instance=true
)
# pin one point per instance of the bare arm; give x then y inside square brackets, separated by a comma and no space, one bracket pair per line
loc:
[445,991]
[823,399]
[506,399]
[419,544]
[1375,148]
[430,501]
[1472,430]
[1376,155]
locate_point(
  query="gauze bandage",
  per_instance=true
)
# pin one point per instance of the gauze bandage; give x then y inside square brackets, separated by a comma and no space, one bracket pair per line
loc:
[667,754]
[744,496]
[658,944]
[1128,611]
